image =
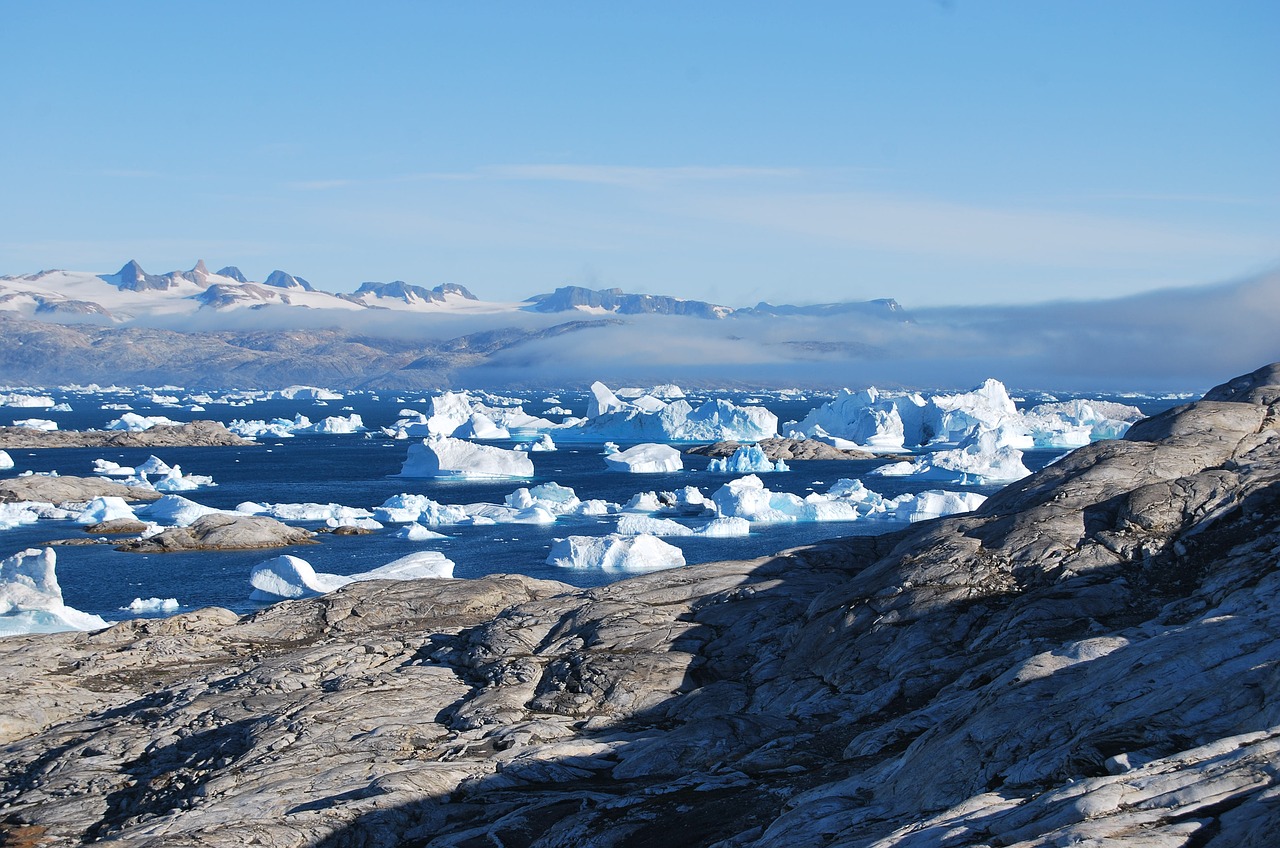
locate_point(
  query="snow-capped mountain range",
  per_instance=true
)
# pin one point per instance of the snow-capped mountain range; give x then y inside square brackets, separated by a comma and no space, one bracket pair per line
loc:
[131,295]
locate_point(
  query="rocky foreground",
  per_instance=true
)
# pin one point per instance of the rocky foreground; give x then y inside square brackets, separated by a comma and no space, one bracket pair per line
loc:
[1092,658]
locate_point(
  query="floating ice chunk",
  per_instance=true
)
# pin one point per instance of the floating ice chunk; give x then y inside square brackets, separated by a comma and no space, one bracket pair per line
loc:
[154,465]
[152,606]
[983,460]
[175,481]
[15,514]
[553,497]
[286,576]
[26,401]
[278,428]
[404,508]
[338,425]
[480,426]
[133,423]
[866,419]
[419,565]
[723,528]
[415,532]
[309,393]
[638,525]
[933,504]
[543,444]
[107,468]
[442,456]
[1070,424]
[596,506]
[306,512]
[610,448]
[106,508]
[175,511]
[646,459]
[603,401]
[615,553]
[747,459]
[358,523]
[6,461]
[31,599]
[36,424]
[748,498]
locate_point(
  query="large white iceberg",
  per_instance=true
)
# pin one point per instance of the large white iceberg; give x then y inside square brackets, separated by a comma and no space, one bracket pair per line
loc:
[15,514]
[640,525]
[133,423]
[615,552]
[175,511]
[983,460]
[646,459]
[847,500]
[6,461]
[338,514]
[1070,424]
[747,459]
[106,508]
[285,577]
[31,599]
[442,456]
[650,418]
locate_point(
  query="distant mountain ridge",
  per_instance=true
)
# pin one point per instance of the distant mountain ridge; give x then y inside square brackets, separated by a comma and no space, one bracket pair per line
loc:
[131,294]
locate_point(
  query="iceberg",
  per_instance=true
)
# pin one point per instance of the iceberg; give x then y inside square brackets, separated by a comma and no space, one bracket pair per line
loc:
[131,422]
[406,508]
[640,525]
[415,532]
[983,460]
[308,393]
[724,528]
[442,456]
[31,599]
[480,426]
[933,504]
[6,461]
[646,459]
[1071,424]
[175,481]
[175,511]
[16,514]
[649,418]
[865,420]
[557,499]
[338,425]
[286,577]
[153,465]
[543,444]
[615,552]
[152,606]
[26,401]
[747,459]
[106,508]
[36,424]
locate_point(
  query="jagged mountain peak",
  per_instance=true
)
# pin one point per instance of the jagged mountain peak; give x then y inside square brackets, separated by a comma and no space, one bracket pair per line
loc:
[233,272]
[284,280]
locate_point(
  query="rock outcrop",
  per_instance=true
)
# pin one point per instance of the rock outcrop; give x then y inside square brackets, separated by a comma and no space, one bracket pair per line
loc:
[222,532]
[1091,658]
[203,434]
[66,489]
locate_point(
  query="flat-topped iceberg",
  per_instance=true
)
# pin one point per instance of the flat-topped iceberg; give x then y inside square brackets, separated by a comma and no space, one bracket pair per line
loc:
[131,422]
[1070,424]
[286,577]
[615,552]
[31,599]
[646,459]
[747,459]
[442,456]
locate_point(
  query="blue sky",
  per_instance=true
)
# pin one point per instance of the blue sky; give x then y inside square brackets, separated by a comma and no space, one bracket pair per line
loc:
[939,153]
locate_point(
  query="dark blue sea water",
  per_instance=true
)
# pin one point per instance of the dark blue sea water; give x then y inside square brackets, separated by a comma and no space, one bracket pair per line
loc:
[359,470]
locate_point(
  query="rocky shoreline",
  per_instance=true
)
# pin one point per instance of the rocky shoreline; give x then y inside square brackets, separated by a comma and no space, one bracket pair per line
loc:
[1092,657]
[784,449]
[201,434]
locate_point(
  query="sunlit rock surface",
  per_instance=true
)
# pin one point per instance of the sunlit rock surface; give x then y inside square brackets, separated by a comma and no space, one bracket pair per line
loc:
[1090,658]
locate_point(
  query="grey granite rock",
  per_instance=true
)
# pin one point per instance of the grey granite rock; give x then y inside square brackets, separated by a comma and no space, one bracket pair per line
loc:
[222,532]
[1091,658]
[190,434]
[66,489]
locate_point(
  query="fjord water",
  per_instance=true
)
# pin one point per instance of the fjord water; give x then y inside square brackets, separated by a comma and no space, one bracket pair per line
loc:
[359,470]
